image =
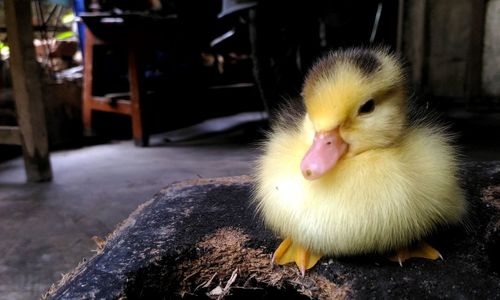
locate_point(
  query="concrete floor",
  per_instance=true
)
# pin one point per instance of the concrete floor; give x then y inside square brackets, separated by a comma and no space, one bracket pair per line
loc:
[46,228]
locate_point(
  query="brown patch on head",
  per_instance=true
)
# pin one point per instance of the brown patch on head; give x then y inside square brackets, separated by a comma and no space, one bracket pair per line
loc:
[224,256]
[365,60]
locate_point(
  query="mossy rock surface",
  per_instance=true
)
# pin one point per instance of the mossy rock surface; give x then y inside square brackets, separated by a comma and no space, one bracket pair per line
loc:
[201,239]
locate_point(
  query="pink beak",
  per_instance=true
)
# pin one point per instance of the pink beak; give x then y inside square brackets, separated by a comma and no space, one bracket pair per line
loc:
[327,148]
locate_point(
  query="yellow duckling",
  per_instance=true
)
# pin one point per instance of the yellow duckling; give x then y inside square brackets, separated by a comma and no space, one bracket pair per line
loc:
[351,174]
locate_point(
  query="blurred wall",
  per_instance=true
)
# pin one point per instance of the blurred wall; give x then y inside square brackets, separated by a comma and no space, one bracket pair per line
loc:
[453,48]
[449,34]
[491,60]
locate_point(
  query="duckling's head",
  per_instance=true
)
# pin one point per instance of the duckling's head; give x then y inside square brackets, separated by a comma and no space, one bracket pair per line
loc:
[356,101]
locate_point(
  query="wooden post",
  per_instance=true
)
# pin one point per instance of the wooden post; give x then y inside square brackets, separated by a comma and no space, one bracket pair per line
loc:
[87,82]
[414,39]
[26,75]
[139,126]
[400,29]
[473,79]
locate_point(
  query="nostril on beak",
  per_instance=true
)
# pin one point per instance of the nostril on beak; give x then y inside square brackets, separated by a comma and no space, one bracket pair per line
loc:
[329,143]
[308,172]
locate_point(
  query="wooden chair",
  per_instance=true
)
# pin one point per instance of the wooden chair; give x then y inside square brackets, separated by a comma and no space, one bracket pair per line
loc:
[115,103]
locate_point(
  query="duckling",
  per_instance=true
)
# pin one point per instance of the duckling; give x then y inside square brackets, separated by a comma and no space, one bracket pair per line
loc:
[352,174]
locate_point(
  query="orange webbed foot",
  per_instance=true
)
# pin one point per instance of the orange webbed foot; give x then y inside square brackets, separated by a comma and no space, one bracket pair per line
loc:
[422,250]
[288,252]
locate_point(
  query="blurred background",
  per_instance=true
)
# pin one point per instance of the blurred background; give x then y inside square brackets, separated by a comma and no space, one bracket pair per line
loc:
[198,60]
[121,97]
[205,59]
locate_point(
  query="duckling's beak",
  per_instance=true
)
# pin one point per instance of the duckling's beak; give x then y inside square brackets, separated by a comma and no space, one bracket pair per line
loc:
[326,150]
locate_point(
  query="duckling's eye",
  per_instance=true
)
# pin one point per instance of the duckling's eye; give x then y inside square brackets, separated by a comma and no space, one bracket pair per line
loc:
[367,108]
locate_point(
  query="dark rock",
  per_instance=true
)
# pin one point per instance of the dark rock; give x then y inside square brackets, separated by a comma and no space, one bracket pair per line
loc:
[202,239]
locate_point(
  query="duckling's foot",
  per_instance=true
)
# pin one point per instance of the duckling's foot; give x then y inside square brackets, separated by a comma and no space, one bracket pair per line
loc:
[422,250]
[288,252]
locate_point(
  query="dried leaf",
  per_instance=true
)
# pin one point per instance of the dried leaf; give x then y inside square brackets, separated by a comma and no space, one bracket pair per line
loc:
[217,291]
[231,280]
[100,242]
[207,283]
[229,283]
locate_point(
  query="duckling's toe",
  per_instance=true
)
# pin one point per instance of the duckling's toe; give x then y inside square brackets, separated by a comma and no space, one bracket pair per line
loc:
[422,250]
[288,252]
